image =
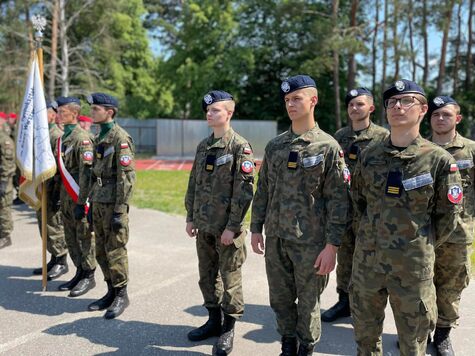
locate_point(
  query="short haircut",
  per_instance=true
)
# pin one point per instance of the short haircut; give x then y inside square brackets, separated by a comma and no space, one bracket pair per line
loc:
[74,107]
[230,105]
[311,91]
[421,98]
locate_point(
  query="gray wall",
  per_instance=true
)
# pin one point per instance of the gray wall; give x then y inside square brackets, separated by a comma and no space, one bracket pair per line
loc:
[171,138]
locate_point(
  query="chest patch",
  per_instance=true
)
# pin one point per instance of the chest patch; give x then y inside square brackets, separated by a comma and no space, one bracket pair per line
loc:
[465,164]
[224,159]
[312,161]
[417,181]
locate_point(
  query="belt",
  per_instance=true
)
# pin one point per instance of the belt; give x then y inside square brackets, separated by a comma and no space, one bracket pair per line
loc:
[104,181]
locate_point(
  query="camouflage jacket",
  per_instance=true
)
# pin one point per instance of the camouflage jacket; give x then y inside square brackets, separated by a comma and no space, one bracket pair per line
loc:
[54,183]
[220,187]
[402,208]
[76,150]
[302,189]
[7,159]
[463,150]
[352,144]
[113,169]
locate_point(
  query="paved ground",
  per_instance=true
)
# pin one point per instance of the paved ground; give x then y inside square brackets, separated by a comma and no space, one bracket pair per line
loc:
[165,303]
[157,164]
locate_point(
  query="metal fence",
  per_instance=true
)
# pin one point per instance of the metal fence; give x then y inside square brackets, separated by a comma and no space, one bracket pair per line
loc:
[171,138]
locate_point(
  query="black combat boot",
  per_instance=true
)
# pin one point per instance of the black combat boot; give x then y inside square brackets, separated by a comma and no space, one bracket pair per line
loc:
[224,344]
[86,283]
[289,346]
[49,265]
[5,241]
[59,268]
[106,301]
[211,328]
[305,350]
[340,310]
[442,342]
[72,283]
[121,301]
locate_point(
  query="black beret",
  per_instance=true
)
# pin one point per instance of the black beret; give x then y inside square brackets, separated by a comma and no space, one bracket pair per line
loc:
[402,86]
[103,99]
[439,102]
[52,105]
[355,93]
[64,100]
[213,97]
[295,83]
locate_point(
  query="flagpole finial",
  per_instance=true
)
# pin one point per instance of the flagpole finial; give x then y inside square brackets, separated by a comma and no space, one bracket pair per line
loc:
[39,24]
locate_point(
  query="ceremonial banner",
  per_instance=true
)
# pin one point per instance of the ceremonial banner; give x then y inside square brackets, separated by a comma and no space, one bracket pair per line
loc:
[33,150]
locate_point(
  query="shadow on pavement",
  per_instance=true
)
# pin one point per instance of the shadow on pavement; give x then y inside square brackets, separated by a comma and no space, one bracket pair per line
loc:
[21,292]
[130,337]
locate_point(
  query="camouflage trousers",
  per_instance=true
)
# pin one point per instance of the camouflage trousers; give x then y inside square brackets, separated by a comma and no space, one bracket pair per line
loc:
[111,251]
[6,220]
[412,302]
[55,240]
[291,277]
[220,272]
[79,240]
[345,261]
[452,275]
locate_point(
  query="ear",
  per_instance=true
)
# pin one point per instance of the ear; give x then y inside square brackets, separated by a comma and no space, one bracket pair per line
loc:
[371,108]
[314,100]
[458,118]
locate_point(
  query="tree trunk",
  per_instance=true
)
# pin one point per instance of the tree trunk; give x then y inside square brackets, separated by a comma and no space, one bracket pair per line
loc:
[395,24]
[411,39]
[457,50]
[54,50]
[63,38]
[443,49]
[351,56]
[468,69]
[336,66]
[374,44]
[385,56]
[425,38]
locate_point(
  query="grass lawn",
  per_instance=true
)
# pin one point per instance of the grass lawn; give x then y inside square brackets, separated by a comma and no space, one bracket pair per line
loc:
[165,191]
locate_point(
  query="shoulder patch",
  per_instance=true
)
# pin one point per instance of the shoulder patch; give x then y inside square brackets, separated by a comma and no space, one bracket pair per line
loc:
[247,167]
[87,156]
[453,167]
[455,194]
[124,145]
[86,142]
[125,160]
[247,150]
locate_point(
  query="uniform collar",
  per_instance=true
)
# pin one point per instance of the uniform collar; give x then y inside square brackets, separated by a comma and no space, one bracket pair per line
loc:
[410,151]
[222,142]
[364,134]
[457,142]
[307,136]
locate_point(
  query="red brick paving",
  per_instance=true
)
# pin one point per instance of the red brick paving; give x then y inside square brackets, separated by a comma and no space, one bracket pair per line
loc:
[167,165]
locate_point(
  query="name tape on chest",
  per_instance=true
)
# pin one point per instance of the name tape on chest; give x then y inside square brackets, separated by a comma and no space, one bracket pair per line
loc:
[465,163]
[224,159]
[312,161]
[417,181]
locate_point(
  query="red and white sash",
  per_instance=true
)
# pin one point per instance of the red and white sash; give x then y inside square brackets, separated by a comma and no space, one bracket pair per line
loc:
[69,183]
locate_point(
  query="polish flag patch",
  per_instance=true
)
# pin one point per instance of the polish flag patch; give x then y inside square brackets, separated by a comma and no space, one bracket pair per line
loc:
[86,142]
[455,194]
[454,167]
[124,145]
[340,153]
[247,150]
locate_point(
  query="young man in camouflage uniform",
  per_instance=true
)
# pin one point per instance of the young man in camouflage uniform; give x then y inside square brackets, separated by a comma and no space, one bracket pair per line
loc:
[353,138]
[302,199]
[406,193]
[452,258]
[74,157]
[7,171]
[112,181]
[55,241]
[218,197]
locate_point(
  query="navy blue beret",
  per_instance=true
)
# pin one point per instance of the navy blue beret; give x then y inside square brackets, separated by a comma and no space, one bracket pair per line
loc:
[402,86]
[64,100]
[295,83]
[103,99]
[439,102]
[355,93]
[52,105]
[213,97]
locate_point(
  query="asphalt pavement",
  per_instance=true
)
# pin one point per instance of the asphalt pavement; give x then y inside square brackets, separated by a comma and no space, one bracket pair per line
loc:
[165,302]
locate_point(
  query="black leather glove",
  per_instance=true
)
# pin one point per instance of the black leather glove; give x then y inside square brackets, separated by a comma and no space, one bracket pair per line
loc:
[89,215]
[79,211]
[116,222]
